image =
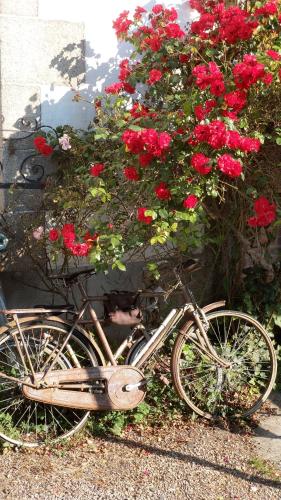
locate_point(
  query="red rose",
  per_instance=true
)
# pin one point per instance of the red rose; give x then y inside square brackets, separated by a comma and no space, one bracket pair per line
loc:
[96,169]
[125,71]
[191,201]
[139,11]
[131,173]
[249,144]
[265,213]
[46,150]
[42,146]
[162,192]
[122,24]
[200,163]
[173,30]
[146,219]
[248,72]
[154,42]
[39,141]
[114,88]
[129,88]
[53,234]
[184,58]
[236,100]
[274,55]
[154,76]
[268,9]
[229,166]
[80,249]
[145,159]
[157,9]
[68,234]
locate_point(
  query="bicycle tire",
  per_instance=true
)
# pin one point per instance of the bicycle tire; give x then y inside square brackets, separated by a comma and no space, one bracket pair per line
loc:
[24,422]
[212,391]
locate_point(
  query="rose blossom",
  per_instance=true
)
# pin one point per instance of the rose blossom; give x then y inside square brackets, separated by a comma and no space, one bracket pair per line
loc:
[131,173]
[191,201]
[68,234]
[38,233]
[96,169]
[157,9]
[146,219]
[80,249]
[265,213]
[200,163]
[53,234]
[154,76]
[162,192]
[229,166]
[273,55]
[64,142]
[42,146]
[122,24]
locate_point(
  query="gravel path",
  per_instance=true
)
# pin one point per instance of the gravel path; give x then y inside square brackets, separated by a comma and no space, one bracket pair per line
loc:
[183,461]
[268,433]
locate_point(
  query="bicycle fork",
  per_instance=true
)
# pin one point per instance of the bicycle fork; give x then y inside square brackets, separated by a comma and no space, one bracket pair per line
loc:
[204,342]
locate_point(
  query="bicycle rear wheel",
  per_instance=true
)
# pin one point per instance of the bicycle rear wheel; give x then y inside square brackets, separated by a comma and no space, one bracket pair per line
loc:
[24,422]
[213,391]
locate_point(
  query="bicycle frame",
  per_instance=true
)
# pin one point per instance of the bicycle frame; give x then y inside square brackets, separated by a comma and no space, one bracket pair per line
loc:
[189,311]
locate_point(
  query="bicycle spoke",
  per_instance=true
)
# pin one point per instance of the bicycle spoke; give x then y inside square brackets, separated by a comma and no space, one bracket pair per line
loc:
[240,388]
[30,422]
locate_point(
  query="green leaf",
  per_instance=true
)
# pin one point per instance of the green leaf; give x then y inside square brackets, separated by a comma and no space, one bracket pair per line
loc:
[119,265]
[187,107]
[151,213]
[115,241]
[158,239]
[163,213]
[101,133]
[183,216]
[95,255]
[277,320]
[278,141]
[101,193]
[136,128]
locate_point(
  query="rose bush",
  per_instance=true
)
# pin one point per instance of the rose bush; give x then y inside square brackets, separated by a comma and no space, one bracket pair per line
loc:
[180,141]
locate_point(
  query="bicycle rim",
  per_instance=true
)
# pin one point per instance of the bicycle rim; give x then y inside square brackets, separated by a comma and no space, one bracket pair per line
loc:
[213,391]
[24,422]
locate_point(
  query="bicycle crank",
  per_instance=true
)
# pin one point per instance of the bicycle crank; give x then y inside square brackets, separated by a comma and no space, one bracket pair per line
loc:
[96,388]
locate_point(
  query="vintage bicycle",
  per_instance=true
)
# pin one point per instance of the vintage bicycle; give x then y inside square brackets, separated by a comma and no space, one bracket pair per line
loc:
[54,370]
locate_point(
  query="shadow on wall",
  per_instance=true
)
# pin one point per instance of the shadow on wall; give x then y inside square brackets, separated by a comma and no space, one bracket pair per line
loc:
[84,71]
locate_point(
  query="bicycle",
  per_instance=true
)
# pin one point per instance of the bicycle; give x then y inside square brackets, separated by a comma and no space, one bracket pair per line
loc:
[53,372]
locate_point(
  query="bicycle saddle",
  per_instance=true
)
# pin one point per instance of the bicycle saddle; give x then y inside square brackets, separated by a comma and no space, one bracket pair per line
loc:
[68,307]
[72,276]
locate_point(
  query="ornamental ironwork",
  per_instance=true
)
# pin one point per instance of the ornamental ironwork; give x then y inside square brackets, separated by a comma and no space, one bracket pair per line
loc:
[31,170]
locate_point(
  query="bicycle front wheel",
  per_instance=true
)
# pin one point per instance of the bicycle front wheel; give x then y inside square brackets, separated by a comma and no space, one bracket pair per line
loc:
[24,422]
[211,390]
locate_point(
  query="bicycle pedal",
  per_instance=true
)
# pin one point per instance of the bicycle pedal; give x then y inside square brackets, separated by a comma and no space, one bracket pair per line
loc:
[132,387]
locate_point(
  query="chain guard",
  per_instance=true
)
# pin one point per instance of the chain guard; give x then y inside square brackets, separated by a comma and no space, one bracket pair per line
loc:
[97,388]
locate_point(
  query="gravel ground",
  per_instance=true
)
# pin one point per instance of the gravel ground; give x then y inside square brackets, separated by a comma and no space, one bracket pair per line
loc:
[183,461]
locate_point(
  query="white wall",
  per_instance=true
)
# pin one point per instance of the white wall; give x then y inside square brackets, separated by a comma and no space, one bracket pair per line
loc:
[103,52]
